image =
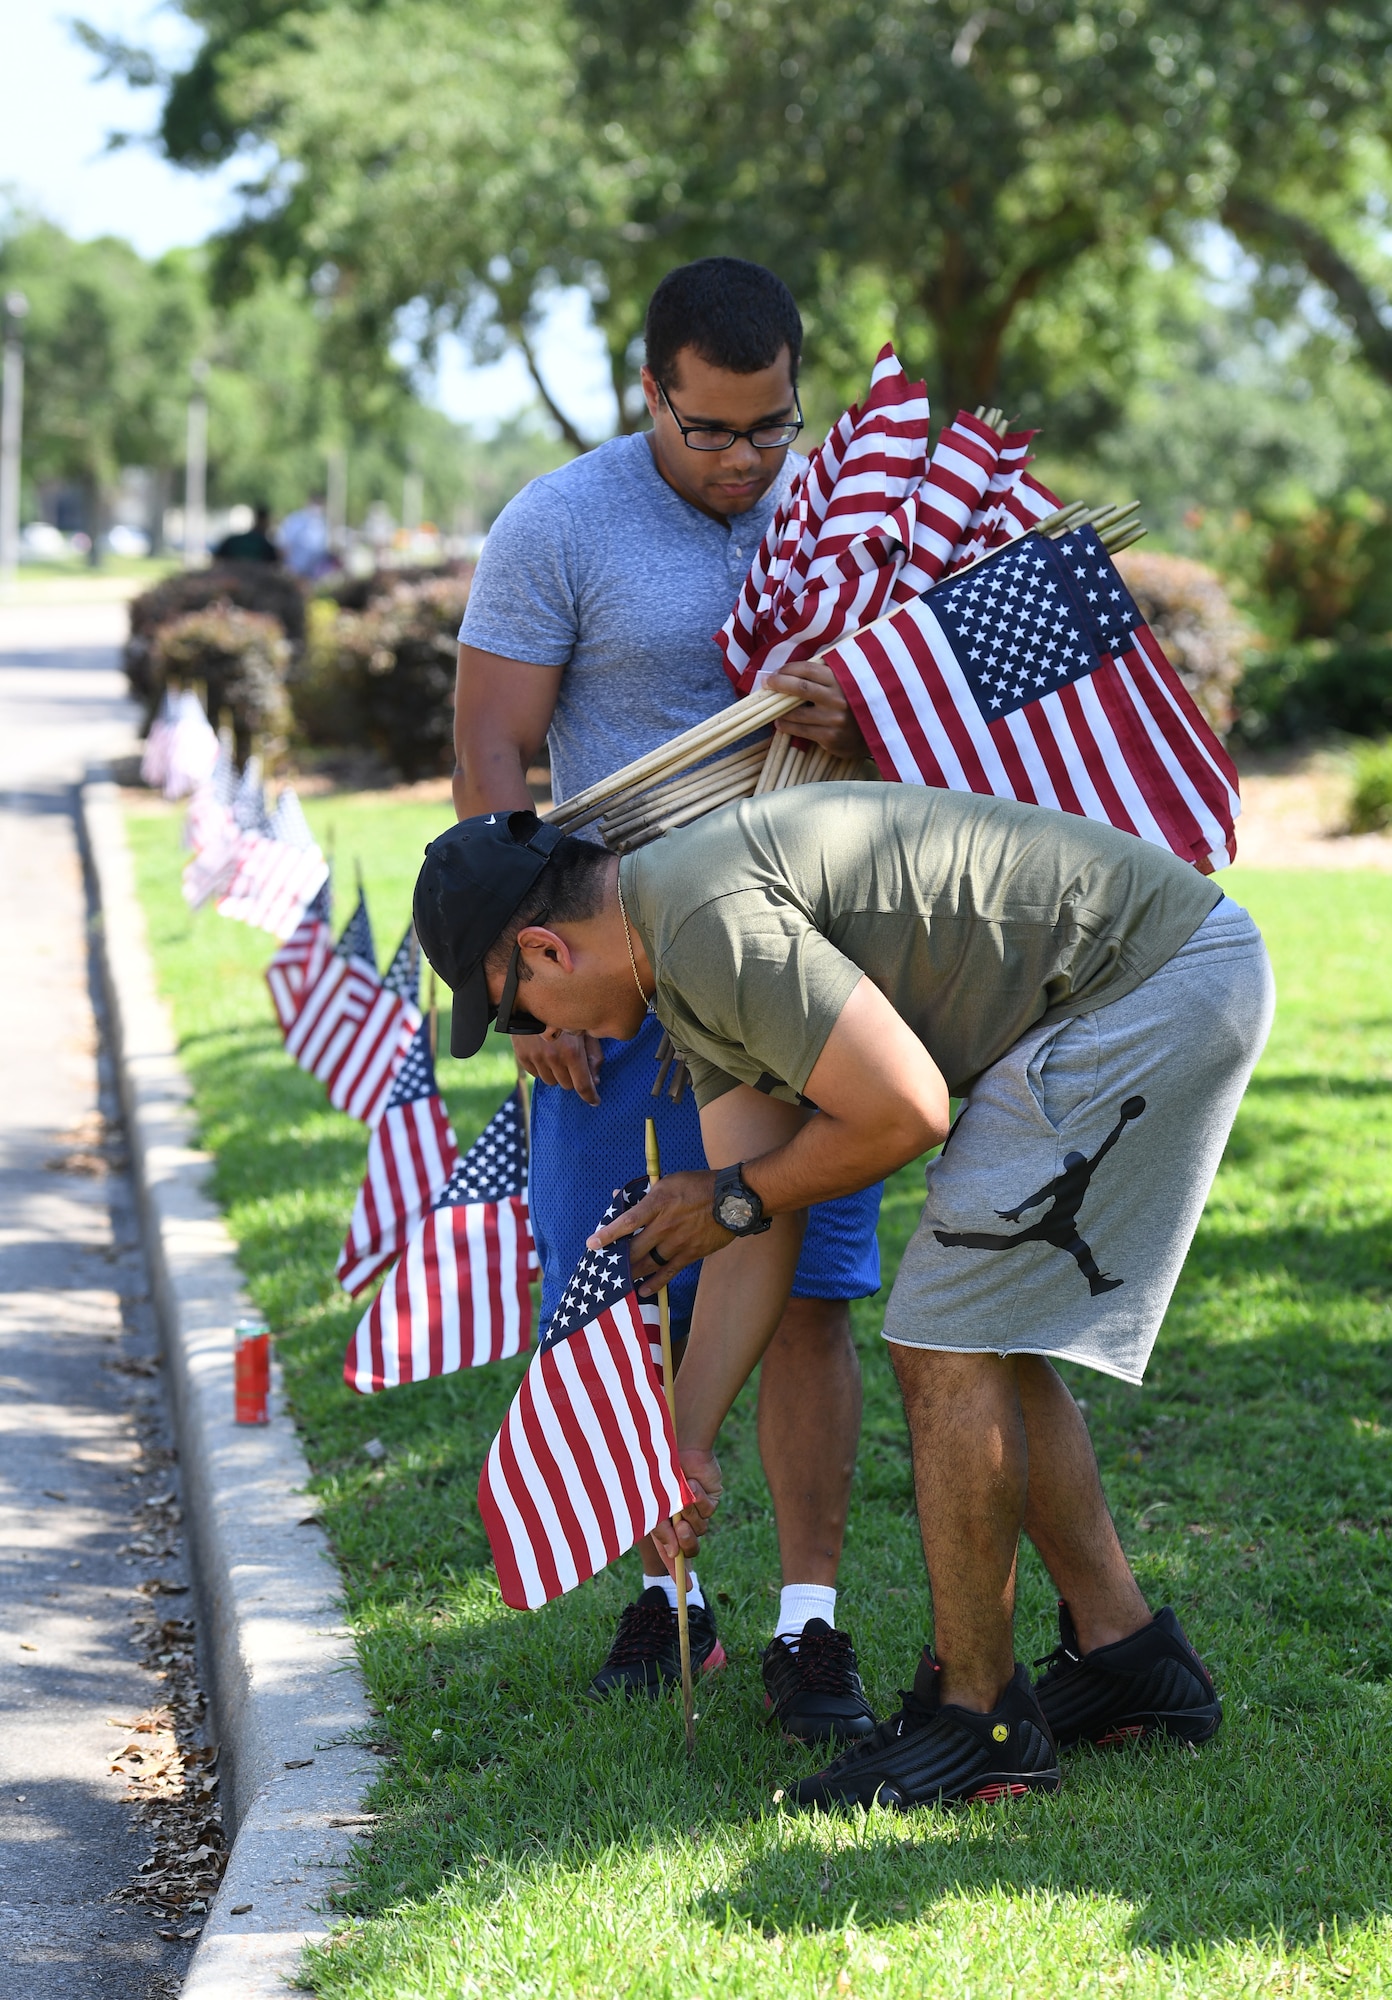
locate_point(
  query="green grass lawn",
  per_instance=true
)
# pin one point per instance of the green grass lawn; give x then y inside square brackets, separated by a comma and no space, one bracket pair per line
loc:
[531,1844]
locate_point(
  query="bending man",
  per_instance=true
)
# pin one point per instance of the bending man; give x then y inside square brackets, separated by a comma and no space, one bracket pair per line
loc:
[868,951]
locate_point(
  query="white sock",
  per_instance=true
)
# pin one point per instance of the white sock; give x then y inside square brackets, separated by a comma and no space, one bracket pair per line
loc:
[695,1600]
[797,1602]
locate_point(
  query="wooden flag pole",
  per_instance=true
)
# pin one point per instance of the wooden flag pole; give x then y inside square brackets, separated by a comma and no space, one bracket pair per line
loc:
[664,1314]
[434,1016]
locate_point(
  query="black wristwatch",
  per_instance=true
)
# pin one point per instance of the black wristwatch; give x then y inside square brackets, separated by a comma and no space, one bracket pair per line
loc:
[737,1207]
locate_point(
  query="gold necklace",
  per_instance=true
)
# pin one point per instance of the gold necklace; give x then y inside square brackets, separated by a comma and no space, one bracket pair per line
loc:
[628,940]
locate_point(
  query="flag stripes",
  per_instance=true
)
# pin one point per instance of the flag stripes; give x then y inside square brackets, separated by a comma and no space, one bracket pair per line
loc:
[300,963]
[410,1160]
[271,883]
[459,1297]
[585,1463]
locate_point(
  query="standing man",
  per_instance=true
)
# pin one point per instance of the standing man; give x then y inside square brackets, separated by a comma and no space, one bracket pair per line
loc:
[591,624]
[875,951]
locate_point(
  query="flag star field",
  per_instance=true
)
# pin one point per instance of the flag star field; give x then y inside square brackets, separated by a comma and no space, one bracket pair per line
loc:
[495,1166]
[1034,619]
[601,1277]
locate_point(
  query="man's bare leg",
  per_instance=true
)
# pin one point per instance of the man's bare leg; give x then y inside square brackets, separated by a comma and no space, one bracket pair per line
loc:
[1000,1445]
[1066,1514]
[971,1469]
[809,1431]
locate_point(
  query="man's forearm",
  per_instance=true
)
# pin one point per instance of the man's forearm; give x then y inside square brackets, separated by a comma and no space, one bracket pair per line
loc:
[494,780]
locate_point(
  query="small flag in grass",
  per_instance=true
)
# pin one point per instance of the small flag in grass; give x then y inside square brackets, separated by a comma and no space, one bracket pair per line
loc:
[297,966]
[585,1464]
[410,1159]
[460,1294]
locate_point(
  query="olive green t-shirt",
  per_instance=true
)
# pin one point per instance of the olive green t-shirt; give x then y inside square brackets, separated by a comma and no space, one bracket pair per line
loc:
[975,917]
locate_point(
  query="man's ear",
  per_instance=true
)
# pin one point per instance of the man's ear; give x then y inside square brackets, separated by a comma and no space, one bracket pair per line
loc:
[650,396]
[537,942]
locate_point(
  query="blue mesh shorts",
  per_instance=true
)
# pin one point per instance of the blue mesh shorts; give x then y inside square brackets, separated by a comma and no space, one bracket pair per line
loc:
[582,1152]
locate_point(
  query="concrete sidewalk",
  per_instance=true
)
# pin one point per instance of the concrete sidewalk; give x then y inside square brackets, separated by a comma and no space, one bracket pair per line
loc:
[77,1349]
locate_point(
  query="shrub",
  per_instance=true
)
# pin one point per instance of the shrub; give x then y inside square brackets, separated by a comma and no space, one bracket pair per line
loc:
[241,657]
[1370,808]
[1297,692]
[383,678]
[258,587]
[1187,608]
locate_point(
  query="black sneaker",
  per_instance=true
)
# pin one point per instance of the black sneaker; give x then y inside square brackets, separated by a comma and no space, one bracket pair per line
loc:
[646,1650]
[929,1755]
[812,1689]
[1152,1684]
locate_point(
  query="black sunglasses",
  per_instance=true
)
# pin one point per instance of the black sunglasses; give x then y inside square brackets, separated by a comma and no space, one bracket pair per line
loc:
[510,1018]
[709,437]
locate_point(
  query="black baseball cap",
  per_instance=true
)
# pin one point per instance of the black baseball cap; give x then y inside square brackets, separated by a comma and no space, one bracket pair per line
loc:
[472,879]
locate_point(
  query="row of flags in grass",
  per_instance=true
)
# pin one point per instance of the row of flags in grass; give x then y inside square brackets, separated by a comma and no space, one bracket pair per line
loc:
[260,865]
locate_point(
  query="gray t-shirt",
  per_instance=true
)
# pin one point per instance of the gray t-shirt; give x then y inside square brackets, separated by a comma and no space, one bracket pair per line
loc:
[601,569]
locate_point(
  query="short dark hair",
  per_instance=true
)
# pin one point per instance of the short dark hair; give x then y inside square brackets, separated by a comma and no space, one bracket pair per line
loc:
[736,315]
[569,889]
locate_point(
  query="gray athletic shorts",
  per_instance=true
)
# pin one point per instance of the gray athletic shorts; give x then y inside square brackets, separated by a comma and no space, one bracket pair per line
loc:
[1062,1207]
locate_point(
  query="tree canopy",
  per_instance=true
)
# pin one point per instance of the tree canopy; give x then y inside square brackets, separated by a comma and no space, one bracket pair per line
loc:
[985,182]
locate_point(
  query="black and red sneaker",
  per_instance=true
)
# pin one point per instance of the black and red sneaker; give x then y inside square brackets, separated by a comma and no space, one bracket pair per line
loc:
[812,1688]
[931,1754]
[647,1650]
[1152,1684]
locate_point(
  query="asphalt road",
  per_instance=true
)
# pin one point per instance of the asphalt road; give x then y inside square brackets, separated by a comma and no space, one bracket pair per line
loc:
[81,1415]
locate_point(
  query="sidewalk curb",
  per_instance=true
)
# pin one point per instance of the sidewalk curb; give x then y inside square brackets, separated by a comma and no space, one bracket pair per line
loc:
[283,1680]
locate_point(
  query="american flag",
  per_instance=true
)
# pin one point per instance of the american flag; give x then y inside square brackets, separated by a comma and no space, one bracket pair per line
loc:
[460,1295]
[333,1007]
[183,758]
[585,1464]
[271,883]
[298,964]
[249,799]
[410,1158]
[154,758]
[288,823]
[351,1031]
[1034,677]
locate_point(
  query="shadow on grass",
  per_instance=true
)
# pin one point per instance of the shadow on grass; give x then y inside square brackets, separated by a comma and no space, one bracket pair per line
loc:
[1278,1828]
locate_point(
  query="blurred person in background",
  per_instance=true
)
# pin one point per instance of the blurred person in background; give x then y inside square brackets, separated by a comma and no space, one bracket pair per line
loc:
[253,544]
[304,540]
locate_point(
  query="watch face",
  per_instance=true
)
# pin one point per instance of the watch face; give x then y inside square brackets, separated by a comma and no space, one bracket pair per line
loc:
[736,1211]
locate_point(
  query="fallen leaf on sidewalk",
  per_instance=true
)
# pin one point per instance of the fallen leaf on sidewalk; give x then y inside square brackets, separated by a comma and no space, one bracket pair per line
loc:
[25,1647]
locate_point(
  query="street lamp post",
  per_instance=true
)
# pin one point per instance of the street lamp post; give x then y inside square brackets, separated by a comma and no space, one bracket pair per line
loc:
[11,431]
[336,499]
[196,471]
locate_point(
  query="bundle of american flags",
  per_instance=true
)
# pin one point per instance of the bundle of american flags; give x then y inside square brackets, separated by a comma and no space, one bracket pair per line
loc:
[1033,677]
[460,1294]
[872,521]
[585,1463]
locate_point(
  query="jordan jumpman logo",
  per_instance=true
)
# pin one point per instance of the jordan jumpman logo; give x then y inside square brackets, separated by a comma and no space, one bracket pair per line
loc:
[1059,1225]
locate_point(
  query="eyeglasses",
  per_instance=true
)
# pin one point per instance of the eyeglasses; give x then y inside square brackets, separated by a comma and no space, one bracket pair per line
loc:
[709,437]
[512,1019]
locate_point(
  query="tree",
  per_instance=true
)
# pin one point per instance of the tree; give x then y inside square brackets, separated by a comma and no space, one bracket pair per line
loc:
[108,340]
